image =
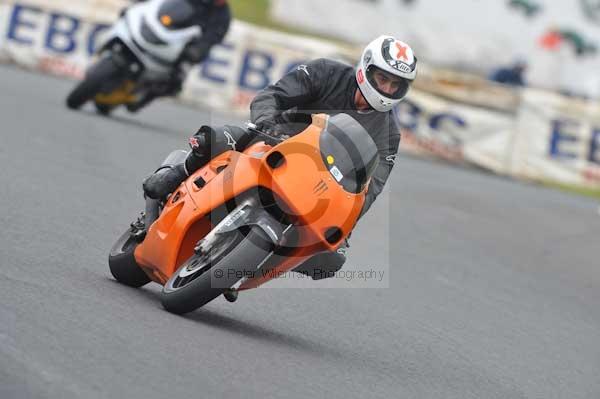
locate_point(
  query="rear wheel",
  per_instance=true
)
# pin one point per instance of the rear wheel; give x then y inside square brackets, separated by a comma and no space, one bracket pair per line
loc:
[123,266]
[105,70]
[203,277]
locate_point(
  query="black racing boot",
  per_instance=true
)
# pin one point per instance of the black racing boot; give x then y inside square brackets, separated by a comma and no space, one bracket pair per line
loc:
[164,181]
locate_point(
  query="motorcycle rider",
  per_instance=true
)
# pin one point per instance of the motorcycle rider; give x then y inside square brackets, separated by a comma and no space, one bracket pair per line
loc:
[214,18]
[368,93]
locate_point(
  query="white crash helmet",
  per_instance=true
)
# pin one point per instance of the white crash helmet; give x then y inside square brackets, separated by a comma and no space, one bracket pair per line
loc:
[392,57]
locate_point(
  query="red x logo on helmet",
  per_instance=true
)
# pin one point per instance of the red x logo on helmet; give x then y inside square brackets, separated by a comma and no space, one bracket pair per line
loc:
[401,51]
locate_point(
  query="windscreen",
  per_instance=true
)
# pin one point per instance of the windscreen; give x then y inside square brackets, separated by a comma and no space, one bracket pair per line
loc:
[349,152]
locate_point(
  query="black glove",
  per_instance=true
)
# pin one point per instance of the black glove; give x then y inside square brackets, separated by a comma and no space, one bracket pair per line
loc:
[265,126]
[272,128]
[196,51]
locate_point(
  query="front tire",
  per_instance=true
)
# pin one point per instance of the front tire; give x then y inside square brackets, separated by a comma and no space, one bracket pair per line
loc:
[123,265]
[234,257]
[105,70]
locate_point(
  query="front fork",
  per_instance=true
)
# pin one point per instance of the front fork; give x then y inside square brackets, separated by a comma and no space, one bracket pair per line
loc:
[248,213]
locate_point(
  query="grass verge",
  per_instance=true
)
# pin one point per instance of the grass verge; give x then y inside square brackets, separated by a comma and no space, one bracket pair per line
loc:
[584,191]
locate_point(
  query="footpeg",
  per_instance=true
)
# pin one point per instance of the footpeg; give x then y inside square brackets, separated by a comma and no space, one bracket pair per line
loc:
[138,229]
[231,295]
[138,235]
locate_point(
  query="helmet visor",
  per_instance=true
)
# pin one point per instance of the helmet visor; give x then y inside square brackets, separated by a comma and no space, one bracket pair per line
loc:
[388,85]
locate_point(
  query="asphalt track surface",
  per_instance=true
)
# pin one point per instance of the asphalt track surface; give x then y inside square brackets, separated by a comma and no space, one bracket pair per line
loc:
[494,285]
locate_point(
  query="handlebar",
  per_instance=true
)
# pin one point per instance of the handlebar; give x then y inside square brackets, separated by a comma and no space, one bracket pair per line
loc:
[269,139]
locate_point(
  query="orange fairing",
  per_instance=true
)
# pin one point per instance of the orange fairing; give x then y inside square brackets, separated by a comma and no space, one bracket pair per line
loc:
[306,186]
[303,187]
[189,205]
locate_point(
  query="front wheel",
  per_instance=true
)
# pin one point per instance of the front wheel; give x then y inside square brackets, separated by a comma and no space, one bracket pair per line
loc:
[203,277]
[104,71]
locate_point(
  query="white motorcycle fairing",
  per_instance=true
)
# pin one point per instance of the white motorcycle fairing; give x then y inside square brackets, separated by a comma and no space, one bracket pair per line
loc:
[156,58]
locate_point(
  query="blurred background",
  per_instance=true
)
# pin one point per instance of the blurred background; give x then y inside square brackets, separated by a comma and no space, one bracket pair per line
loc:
[547,44]
[494,289]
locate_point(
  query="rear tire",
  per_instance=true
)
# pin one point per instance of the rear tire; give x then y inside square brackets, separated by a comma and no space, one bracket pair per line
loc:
[105,70]
[241,256]
[123,266]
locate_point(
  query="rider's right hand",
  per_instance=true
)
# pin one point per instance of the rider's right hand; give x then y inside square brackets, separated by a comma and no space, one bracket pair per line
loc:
[265,126]
[272,128]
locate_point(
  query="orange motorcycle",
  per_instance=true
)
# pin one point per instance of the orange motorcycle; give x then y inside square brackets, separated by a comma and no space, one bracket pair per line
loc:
[248,217]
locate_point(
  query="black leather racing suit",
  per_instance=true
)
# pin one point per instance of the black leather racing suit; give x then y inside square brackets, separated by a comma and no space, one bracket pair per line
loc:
[326,86]
[214,19]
